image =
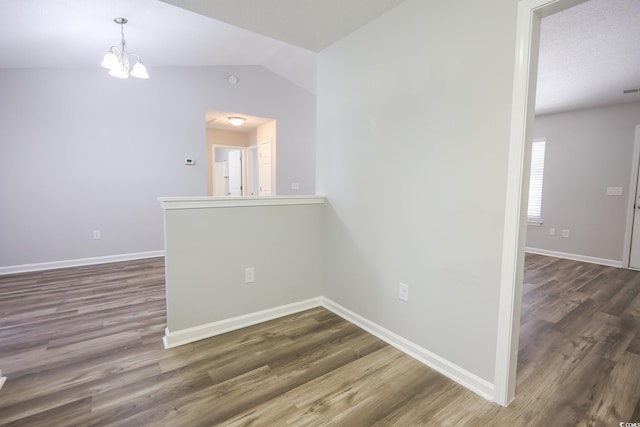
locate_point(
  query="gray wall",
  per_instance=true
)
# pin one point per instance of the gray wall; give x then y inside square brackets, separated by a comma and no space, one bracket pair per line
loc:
[209,249]
[80,150]
[413,132]
[586,152]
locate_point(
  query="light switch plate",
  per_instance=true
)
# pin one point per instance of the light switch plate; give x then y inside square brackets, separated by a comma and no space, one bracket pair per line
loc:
[614,191]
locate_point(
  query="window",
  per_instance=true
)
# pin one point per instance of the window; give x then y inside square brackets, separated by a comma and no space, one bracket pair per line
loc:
[534,213]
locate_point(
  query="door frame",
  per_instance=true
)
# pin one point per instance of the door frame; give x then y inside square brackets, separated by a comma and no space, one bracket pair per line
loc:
[631,208]
[529,16]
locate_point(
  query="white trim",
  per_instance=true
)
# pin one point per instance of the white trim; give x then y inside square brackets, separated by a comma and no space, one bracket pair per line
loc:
[23,268]
[515,208]
[196,333]
[463,377]
[576,257]
[522,110]
[169,203]
[633,191]
[534,223]
[452,371]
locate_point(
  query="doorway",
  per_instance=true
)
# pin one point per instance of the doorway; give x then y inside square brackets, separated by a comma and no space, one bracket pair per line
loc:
[530,13]
[234,153]
[229,171]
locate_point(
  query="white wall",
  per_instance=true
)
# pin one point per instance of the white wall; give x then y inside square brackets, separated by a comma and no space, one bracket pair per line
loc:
[413,131]
[208,250]
[80,151]
[586,152]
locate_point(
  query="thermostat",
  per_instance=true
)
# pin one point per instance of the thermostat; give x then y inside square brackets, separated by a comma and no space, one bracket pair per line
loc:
[189,161]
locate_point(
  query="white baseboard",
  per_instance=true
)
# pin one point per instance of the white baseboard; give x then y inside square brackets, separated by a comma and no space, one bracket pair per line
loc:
[463,377]
[196,333]
[576,257]
[23,268]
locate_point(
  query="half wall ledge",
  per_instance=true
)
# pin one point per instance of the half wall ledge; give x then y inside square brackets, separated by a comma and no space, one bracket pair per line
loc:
[169,203]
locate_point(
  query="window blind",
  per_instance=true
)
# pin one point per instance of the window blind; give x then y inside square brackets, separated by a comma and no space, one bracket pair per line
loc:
[534,212]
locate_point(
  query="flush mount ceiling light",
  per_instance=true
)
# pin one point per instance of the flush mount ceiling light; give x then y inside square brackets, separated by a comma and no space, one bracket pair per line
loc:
[236,121]
[117,60]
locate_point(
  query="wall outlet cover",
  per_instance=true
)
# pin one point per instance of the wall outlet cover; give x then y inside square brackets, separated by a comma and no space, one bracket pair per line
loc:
[249,275]
[403,292]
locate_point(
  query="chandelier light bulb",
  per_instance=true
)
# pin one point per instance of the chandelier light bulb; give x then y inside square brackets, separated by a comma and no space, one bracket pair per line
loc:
[110,60]
[139,70]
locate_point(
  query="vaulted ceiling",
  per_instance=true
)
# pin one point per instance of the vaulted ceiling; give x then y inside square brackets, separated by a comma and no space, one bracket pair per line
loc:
[588,54]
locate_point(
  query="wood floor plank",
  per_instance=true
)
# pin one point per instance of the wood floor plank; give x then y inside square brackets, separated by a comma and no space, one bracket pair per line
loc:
[82,346]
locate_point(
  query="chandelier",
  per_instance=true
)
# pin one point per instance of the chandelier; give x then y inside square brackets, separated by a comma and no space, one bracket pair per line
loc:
[117,59]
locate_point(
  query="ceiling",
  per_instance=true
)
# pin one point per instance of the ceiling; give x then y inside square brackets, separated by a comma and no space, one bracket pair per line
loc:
[588,54]
[77,33]
[311,24]
[220,120]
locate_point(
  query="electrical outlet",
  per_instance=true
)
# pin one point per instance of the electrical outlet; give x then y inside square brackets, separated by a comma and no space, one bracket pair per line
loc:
[295,186]
[97,235]
[249,275]
[552,231]
[403,292]
[565,233]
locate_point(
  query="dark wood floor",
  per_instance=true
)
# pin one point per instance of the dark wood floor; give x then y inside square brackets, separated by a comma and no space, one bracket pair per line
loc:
[82,346]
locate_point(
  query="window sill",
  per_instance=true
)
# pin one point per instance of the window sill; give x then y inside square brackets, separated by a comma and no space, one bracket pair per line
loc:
[534,223]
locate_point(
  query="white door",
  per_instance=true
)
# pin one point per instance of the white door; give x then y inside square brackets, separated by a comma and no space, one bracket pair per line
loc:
[632,235]
[220,179]
[235,173]
[634,257]
[264,169]
[252,171]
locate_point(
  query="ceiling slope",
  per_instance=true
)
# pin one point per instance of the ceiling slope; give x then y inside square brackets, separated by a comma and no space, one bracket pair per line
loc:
[311,24]
[77,33]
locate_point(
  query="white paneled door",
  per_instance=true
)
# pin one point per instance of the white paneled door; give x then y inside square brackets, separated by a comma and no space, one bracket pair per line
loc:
[264,168]
[235,173]
[634,258]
